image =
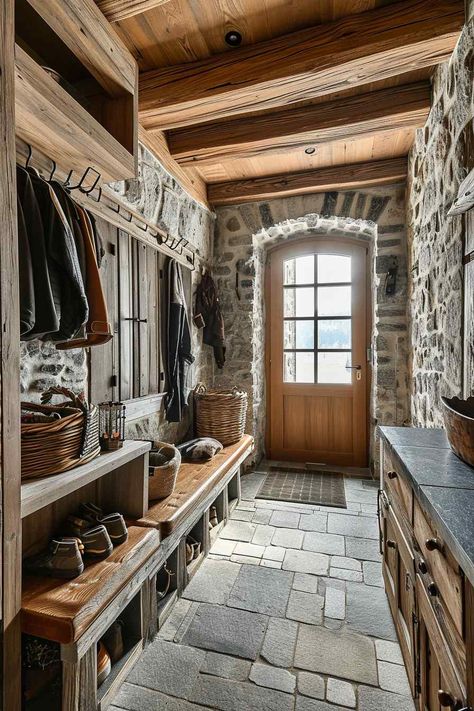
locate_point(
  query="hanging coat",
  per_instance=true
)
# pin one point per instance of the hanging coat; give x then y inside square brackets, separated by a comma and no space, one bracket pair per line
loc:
[208,314]
[179,356]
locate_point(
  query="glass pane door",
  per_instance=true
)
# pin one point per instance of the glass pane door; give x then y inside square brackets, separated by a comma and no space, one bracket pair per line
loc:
[317,329]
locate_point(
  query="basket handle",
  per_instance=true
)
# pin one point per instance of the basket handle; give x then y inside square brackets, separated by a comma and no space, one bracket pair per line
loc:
[200,389]
[75,400]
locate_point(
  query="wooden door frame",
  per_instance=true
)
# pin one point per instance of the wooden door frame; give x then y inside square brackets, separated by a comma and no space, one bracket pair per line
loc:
[10,522]
[267,290]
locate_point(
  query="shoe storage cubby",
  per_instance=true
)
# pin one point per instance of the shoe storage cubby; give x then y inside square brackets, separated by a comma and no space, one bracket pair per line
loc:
[168,584]
[197,542]
[221,509]
[233,492]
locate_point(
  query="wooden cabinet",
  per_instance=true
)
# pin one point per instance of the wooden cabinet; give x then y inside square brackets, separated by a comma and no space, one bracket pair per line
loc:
[430,600]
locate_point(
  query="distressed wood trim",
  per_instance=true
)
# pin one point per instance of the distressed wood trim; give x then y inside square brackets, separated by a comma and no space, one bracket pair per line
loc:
[341,177]
[116,10]
[359,49]
[271,132]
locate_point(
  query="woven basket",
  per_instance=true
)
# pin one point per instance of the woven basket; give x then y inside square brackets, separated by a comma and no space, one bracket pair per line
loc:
[53,447]
[162,479]
[220,414]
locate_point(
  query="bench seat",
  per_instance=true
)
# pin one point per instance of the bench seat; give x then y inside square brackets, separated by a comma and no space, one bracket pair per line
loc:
[61,611]
[194,482]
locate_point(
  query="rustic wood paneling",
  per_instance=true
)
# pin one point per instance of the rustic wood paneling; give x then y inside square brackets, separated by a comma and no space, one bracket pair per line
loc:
[302,126]
[381,172]
[116,10]
[380,43]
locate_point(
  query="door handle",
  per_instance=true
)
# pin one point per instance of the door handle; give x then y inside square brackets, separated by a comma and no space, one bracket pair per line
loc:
[353,367]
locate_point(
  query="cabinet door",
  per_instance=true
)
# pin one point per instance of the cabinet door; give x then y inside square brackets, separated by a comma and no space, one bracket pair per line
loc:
[399,576]
[440,684]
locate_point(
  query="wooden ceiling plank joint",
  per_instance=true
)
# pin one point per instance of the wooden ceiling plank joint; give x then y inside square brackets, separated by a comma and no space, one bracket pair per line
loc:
[117,10]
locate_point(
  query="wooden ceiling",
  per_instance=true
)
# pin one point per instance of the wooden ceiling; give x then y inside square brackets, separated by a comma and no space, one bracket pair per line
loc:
[347,78]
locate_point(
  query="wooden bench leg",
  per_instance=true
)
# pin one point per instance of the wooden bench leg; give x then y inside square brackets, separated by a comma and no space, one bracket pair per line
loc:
[150,609]
[80,683]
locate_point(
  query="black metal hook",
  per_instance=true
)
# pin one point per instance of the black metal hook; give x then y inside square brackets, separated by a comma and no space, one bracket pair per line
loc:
[30,153]
[51,175]
[81,182]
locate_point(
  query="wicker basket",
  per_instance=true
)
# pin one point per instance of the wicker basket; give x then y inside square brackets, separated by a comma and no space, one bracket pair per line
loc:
[53,447]
[165,461]
[220,414]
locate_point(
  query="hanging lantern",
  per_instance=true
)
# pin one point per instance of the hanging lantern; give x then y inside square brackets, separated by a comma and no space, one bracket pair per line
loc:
[111,425]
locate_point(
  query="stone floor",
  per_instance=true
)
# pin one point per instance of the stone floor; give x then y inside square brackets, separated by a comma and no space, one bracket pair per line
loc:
[288,613]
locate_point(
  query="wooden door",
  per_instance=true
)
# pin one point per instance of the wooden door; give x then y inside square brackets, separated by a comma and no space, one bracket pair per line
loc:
[316,353]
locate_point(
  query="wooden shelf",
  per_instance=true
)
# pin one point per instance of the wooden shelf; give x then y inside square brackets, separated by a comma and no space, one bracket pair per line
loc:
[38,493]
[51,120]
[232,504]
[62,611]
[193,566]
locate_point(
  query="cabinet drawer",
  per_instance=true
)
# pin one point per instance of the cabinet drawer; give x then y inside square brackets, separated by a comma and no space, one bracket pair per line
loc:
[398,489]
[438,672]
[438,564]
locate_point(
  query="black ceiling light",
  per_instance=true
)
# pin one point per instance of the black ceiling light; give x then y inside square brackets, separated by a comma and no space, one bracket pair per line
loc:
[310,150]
[233,38]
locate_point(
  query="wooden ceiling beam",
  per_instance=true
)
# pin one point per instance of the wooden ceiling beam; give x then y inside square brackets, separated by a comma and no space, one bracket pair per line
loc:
[397,107]
[341,177]
[354,50]
[116,10]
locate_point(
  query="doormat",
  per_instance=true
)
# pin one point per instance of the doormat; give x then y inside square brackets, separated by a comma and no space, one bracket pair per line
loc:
[302,486]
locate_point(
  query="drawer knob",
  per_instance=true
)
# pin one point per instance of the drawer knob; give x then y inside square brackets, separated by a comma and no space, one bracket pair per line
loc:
[392,475]
[433,544]
[391,544]
[446,699]
[433,591]
[422,567]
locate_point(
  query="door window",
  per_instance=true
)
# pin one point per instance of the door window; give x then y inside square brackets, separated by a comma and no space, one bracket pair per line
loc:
[317,307]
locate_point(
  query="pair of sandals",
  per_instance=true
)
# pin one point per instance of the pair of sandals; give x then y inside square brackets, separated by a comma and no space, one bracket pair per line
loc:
[193,549]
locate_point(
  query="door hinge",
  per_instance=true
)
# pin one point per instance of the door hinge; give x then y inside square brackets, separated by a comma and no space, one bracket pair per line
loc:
[370,355]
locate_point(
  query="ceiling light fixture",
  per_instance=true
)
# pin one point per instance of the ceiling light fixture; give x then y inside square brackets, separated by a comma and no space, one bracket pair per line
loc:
[233,38]
[309,151]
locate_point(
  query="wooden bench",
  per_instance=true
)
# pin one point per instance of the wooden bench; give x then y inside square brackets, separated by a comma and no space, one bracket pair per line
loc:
[194,483]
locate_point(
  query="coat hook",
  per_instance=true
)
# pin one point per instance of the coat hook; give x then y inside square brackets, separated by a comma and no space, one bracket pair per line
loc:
[51,175]
[30,153]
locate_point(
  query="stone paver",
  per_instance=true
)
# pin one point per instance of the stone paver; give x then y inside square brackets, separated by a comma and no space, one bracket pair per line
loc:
[279,643]
[305,607]
[388,651]
[250,549]
[274,553]
[305,704]
[262,516]
[285,519]
[226,667]
[168,667]
[137,698]
[263,535]
[346,655]
[393,677]
[273,678]
[324,543]
[314,522]
[311,685]
[227,695]
[342,574]
[335,604]
[288,538]
[305,583]
[368,611]
[371,699]
[245,559]
[306,562]
[341,692]
[266,563]
[223,547]
[363,549]
[238,531]
[175,620]
[261,590]
[373,573]
[226,630]
[346,563]
[355,526]
[241,515]
[212,582]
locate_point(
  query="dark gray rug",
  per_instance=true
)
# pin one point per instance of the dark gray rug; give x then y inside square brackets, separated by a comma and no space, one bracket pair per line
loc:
[304,486]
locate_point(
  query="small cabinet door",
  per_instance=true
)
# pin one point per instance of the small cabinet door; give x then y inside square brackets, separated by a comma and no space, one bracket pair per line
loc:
[440,684]
[399,576]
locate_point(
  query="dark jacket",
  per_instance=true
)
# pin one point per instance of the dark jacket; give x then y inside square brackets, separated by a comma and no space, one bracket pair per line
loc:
[208,314]
[179,356]
[42,307]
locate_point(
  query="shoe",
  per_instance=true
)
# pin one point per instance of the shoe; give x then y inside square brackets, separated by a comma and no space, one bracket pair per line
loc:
[189,553]
[113,522]
[113,641]
[97,543]
[116,527]
[213,516]
[195,545]
[62,560]
[104,665]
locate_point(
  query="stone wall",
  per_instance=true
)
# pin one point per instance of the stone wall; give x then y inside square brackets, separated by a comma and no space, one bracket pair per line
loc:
[158,196]
[376,216]
[442,155]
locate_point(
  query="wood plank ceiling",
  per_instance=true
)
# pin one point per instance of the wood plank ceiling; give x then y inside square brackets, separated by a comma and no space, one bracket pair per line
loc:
[316,85]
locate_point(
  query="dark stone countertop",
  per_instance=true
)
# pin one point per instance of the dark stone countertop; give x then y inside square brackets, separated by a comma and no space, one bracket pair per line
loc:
[443,483]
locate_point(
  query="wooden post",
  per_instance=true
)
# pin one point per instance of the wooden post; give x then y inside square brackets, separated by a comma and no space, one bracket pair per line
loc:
[10,549]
